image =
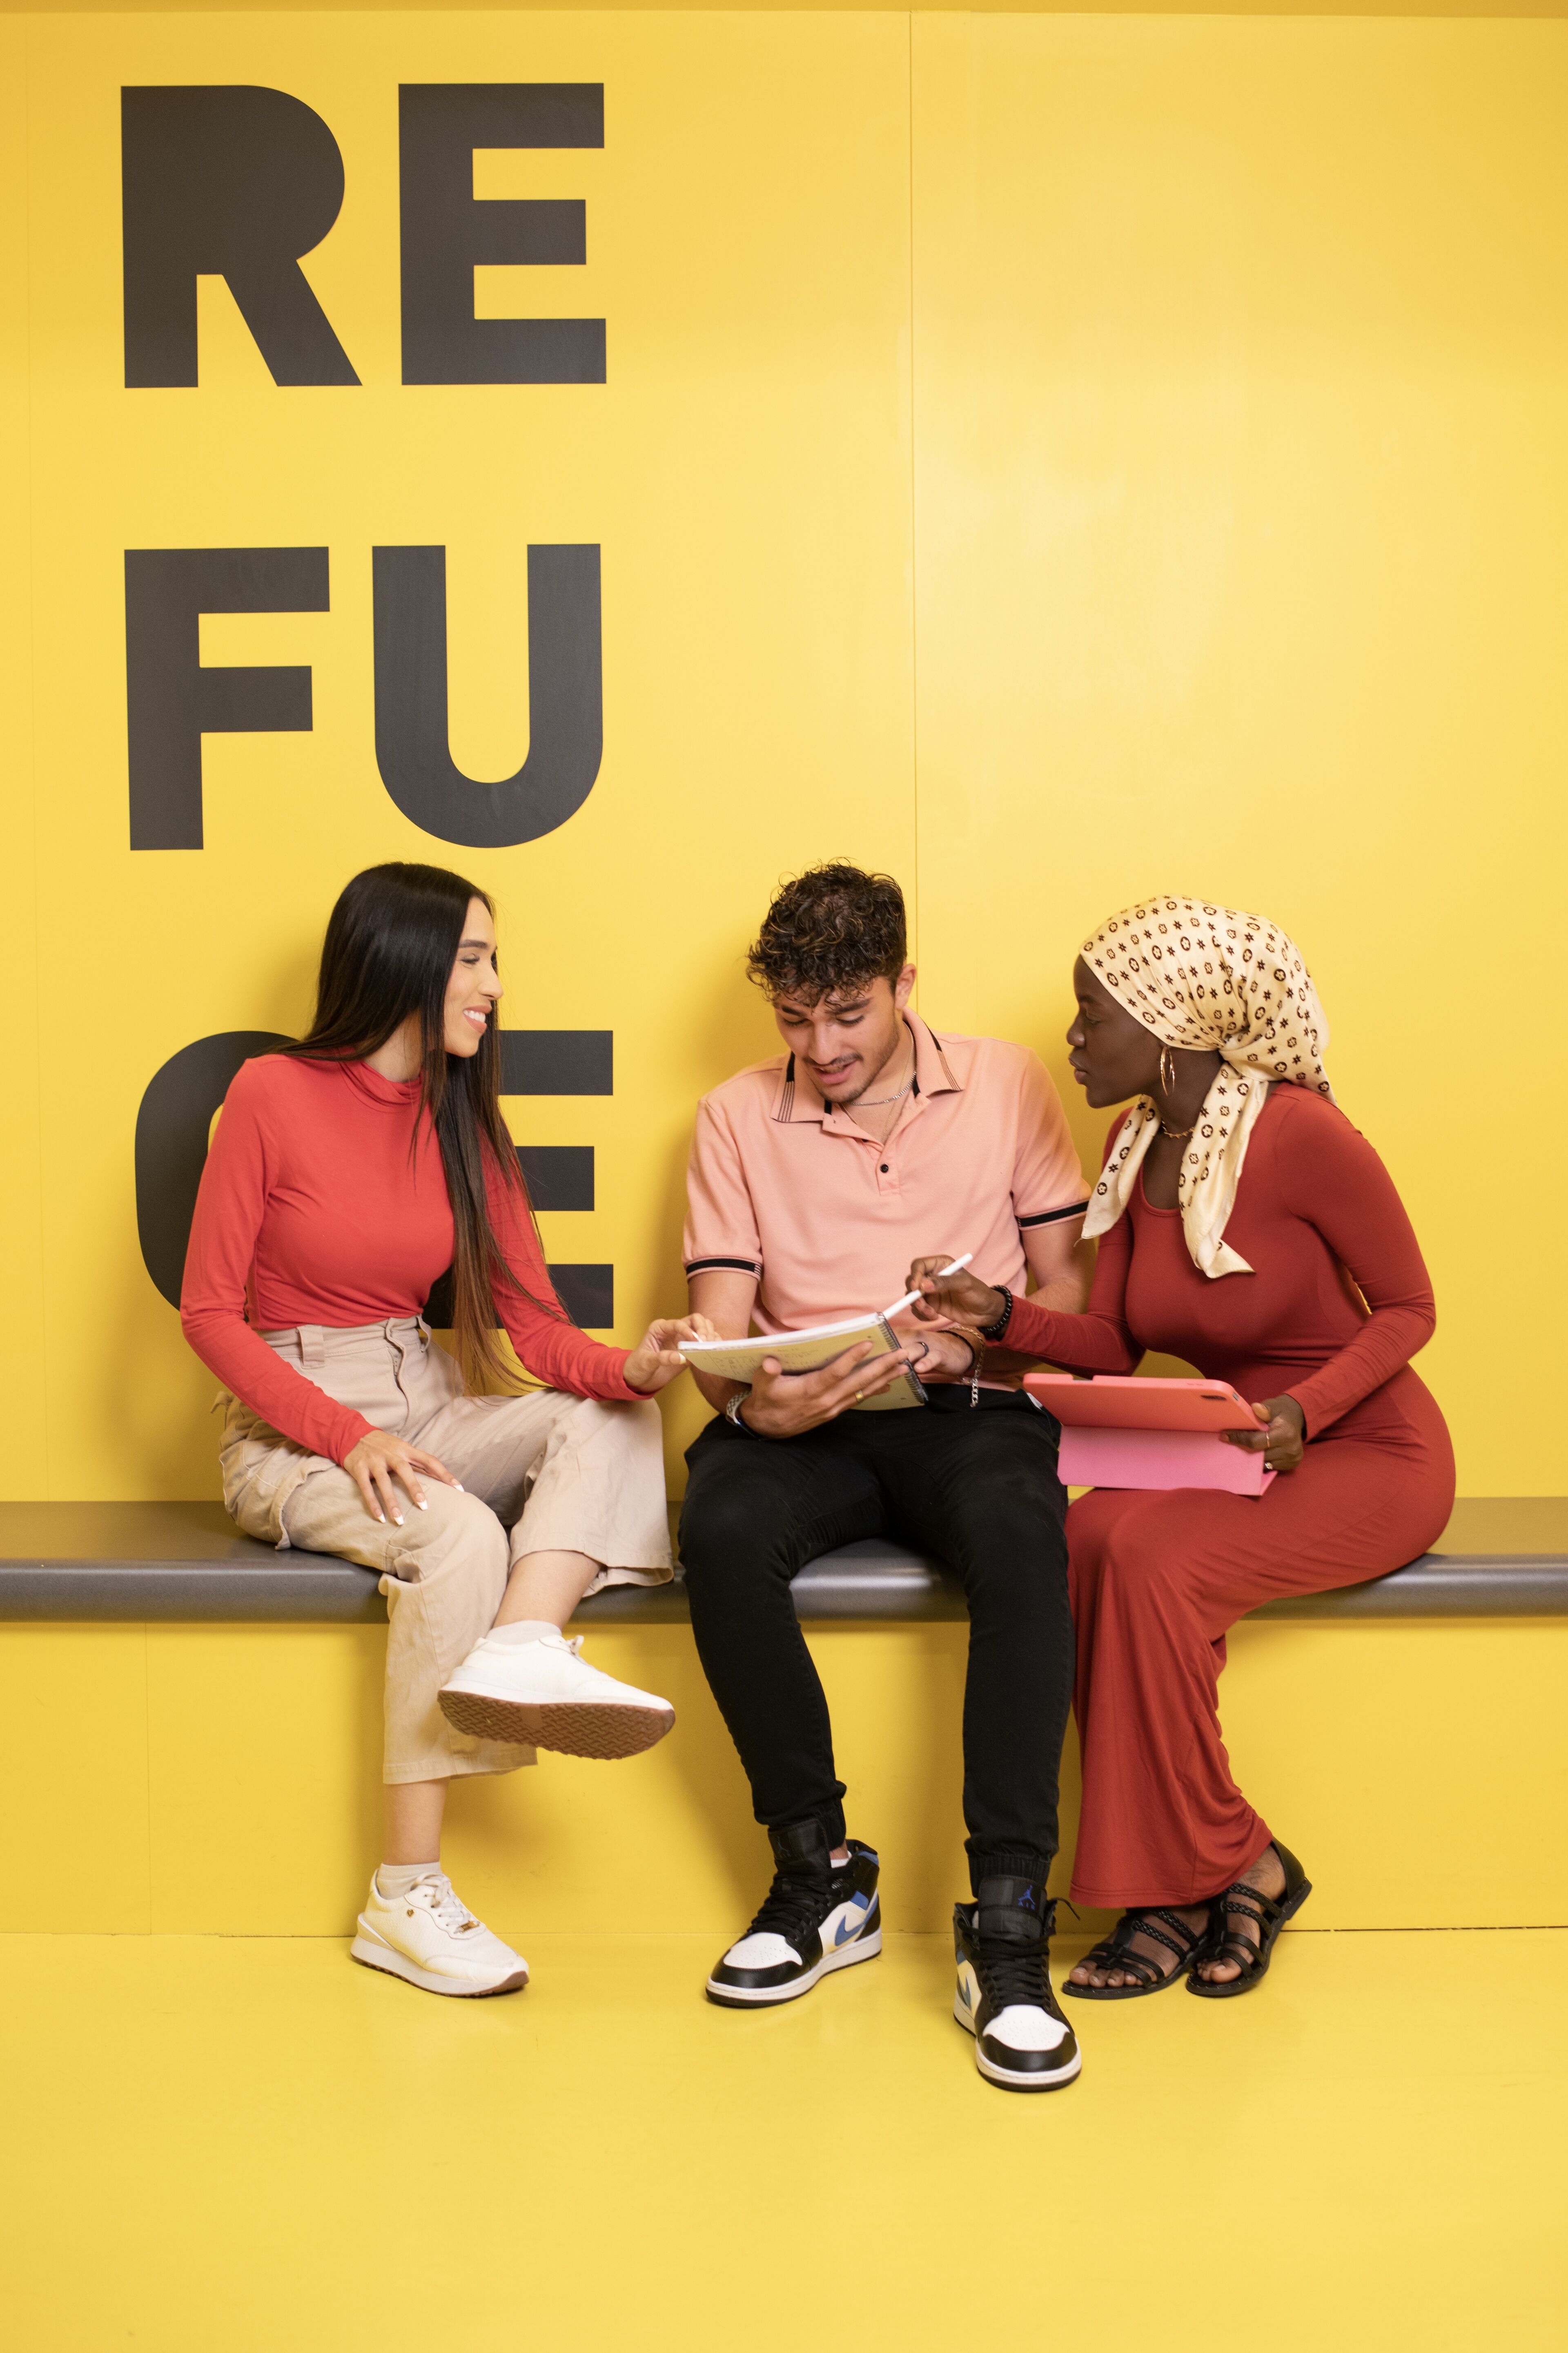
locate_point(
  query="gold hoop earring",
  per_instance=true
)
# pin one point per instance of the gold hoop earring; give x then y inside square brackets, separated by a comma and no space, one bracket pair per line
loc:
[1167,1072]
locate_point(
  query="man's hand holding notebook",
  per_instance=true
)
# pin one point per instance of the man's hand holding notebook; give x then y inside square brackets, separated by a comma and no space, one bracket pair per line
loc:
[798,1379]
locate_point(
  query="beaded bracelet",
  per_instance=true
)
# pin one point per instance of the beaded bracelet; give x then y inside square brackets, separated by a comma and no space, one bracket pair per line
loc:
[993,1332]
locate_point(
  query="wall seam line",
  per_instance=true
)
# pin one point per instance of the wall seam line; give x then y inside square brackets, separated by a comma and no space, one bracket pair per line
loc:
[914,493]
[28,59]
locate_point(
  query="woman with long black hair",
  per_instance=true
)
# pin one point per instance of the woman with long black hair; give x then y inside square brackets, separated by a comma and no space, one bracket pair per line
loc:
[348,1173]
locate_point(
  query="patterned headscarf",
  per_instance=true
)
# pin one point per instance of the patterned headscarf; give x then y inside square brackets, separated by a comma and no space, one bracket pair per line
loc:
[1209,979]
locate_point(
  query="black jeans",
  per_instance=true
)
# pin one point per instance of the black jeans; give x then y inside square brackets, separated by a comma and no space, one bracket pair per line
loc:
[977,1485]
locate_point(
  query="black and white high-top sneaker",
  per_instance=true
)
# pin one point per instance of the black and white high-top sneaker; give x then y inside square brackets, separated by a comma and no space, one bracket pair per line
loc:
[1003,1947]
[817,1917]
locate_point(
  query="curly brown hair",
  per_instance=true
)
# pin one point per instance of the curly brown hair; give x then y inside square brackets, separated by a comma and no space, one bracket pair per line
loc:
[830,932]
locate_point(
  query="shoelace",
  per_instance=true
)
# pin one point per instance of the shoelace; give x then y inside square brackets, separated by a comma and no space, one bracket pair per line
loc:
[1013,1973]
[445,1905]
[797,1901]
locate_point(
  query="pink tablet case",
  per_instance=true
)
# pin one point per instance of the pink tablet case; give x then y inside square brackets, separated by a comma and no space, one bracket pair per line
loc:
[1121,1431]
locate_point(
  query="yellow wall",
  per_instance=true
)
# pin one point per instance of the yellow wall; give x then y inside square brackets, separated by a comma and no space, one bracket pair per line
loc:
[206,1823]
[1054,457]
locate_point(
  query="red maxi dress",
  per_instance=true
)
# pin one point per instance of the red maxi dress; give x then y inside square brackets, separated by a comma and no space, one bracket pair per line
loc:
[1338,1302]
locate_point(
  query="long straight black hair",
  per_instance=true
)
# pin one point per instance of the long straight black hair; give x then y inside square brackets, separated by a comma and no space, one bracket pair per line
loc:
[392,942]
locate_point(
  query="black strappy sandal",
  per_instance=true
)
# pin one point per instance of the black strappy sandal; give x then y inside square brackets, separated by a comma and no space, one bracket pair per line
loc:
[1115,1952]
[1270,1913]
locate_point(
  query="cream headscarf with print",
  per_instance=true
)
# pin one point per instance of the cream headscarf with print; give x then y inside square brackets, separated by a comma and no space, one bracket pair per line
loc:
[1211,979]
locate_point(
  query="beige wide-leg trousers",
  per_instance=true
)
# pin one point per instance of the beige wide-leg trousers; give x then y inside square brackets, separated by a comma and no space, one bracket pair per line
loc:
[541,1473]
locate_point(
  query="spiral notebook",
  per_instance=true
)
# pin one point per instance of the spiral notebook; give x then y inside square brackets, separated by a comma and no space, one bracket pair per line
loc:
[806,1352]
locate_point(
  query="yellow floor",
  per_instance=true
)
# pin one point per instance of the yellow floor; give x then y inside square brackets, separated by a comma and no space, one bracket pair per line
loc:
[248,2144]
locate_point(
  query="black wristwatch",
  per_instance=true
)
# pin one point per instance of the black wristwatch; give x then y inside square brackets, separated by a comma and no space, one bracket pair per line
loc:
[993,1332]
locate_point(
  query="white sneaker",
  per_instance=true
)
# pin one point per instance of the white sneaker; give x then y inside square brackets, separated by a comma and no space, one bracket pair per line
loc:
[431,1937]
[545,1693]
[1002,1945]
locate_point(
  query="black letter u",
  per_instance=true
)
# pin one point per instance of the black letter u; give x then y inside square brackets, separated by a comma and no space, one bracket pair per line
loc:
[565,699]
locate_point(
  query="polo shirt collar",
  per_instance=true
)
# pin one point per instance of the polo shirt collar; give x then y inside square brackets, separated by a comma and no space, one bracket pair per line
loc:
[798,1100]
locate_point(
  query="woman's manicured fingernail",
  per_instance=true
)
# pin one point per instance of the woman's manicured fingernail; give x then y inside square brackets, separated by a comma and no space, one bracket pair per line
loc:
[459,1484]
[398,1517]
[423,1505]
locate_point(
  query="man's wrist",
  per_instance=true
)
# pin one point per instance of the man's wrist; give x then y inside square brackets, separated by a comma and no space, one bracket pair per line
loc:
[945,1368]
[733,1414]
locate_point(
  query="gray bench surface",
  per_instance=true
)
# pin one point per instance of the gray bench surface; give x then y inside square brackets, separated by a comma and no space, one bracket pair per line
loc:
[1498,1558]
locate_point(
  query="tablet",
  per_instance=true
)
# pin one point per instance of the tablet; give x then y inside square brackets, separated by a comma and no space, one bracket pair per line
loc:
[1127,1401]
[806,1352]
[1121,1431]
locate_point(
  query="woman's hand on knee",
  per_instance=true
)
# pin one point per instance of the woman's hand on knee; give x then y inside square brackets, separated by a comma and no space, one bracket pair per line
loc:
[379,1459]
[656,1360]
[1282,1440]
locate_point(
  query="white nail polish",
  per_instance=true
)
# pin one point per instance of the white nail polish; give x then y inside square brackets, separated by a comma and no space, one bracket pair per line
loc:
[423,1505]
[459,1484]
[398,1517]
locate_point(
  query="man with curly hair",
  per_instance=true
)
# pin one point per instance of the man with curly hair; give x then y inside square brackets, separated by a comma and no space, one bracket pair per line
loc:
[815,1178]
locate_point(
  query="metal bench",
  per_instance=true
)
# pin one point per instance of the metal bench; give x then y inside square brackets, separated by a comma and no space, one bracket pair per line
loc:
[1498,1558]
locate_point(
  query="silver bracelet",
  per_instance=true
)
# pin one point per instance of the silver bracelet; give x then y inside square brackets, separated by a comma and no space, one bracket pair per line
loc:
[732,1411]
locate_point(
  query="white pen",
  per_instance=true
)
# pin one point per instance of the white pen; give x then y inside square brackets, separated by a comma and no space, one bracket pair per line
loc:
[910,1297]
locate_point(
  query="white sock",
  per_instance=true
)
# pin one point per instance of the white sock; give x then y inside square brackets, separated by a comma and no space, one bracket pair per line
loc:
[524,1629]
[395,1878]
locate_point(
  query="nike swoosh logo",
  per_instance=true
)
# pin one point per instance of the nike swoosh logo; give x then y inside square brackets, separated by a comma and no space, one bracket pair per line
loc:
[846,1929]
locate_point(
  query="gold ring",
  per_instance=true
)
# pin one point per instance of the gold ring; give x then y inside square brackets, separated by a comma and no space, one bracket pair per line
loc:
[859,1397]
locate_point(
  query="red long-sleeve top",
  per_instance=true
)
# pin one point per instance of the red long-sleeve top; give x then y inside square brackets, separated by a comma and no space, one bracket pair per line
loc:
[1338,1302]
[320,1204]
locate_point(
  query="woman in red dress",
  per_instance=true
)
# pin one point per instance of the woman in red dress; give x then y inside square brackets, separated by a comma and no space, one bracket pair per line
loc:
[1248,1227]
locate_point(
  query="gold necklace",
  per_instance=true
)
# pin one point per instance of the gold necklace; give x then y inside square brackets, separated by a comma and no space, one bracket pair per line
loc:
[879,1103]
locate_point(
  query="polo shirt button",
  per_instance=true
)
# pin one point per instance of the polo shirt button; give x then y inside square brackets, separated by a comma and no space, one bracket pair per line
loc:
[884,1169]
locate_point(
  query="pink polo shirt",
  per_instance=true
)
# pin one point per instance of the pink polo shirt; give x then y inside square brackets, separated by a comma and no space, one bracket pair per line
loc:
[781,1187]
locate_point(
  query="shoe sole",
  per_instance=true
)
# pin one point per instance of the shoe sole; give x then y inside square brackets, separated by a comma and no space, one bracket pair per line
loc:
[569,1727]
[372,1952]
[864,1948]
[1071,1992]
[1009,2080]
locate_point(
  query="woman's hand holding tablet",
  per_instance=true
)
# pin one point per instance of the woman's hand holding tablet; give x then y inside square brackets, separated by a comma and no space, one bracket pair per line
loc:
[1122,1430]
[1283,1440]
